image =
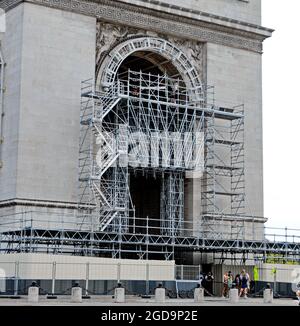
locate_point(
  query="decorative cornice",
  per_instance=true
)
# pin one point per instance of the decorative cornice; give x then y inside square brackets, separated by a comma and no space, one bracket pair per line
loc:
[197,14]
[37,203]
[160,21]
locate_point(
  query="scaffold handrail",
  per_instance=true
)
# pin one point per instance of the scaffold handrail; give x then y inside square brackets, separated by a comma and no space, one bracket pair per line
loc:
[34,238]
[32,219]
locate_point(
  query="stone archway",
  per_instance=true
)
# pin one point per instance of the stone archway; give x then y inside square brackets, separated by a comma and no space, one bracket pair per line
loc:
[164,48]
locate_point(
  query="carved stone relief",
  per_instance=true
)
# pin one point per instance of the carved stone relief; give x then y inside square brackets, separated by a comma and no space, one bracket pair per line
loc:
[109,35]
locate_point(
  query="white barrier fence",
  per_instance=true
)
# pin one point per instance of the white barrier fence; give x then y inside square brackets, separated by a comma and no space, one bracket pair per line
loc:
[55,268]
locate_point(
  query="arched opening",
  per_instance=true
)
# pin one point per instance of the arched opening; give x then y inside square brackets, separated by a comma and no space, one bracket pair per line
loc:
[152,121]
[152,76]
[162,53]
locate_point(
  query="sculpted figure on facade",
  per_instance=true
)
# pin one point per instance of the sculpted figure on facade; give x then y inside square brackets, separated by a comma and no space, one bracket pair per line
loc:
[109,35]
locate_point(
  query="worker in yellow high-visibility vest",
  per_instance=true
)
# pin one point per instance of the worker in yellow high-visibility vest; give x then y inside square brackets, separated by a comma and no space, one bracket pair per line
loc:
[255,274]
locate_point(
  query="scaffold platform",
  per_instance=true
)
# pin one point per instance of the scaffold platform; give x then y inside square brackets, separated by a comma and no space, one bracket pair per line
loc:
[141,243]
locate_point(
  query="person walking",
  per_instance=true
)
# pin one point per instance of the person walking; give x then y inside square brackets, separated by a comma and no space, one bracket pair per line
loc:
[245,280]
[227,284]
[225,291]
[230,280]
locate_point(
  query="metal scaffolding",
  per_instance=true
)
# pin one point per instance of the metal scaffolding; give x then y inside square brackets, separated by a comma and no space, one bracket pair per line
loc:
[154,126]
[31,232]
[223,187]
[151,124]
[145,123]
[224,160]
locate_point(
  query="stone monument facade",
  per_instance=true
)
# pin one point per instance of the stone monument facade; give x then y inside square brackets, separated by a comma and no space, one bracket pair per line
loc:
[50,46]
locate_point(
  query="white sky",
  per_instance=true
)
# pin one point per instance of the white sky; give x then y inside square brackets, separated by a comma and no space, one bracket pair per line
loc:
[281,113]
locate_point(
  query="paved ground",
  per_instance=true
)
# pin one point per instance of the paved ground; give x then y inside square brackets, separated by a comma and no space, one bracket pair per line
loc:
[135,301]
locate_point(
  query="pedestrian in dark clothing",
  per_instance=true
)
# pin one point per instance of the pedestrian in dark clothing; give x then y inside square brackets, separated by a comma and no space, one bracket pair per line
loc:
[237,282]
[209,279]
[245,282]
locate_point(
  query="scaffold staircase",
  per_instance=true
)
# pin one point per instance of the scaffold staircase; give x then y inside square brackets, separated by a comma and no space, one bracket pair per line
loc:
[107,101]
[95,188]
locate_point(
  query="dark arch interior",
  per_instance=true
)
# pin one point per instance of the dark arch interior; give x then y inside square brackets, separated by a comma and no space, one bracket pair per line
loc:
[149,62]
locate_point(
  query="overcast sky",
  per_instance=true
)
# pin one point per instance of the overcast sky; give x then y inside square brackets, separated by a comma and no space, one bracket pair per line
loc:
[281,112]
